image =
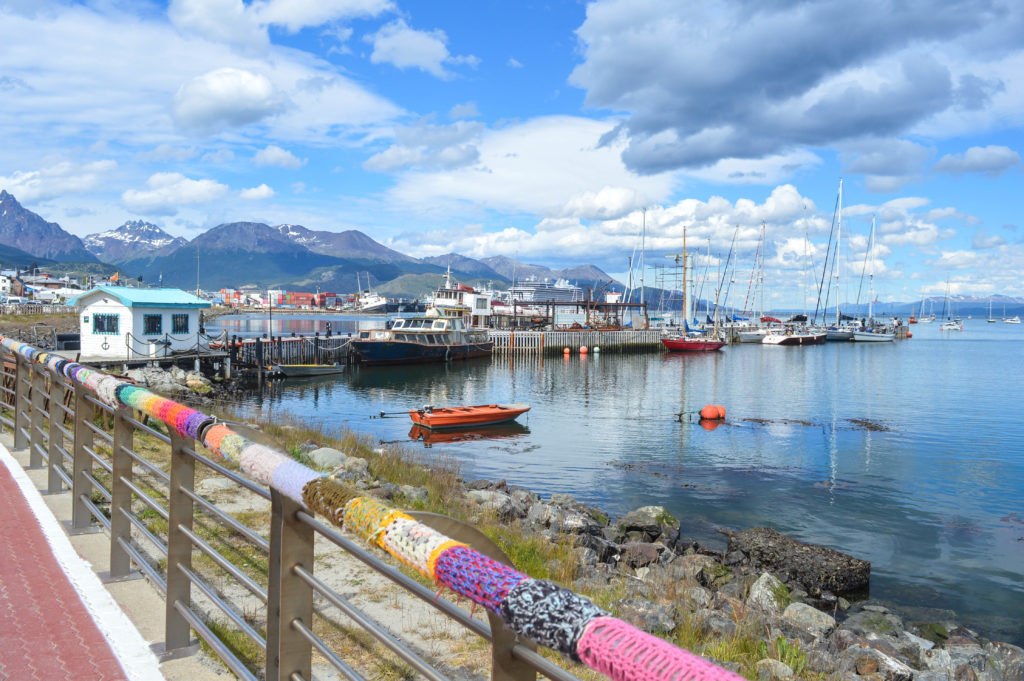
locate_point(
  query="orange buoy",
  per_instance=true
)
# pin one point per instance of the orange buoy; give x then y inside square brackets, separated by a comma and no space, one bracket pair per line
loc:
[713,412]
[565,351]
[583,349]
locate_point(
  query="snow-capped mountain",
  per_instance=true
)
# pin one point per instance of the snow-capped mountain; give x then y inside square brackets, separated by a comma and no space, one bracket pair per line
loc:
[133,239]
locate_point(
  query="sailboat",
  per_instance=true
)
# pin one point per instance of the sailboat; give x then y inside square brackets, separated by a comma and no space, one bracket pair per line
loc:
[990,319]
[950,324]
[871,332]
[691,341]
[839,332]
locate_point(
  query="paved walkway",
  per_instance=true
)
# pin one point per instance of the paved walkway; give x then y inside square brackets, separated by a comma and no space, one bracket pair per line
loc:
[47,631]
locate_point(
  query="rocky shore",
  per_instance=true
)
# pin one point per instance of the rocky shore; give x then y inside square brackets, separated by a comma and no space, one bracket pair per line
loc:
[798,601]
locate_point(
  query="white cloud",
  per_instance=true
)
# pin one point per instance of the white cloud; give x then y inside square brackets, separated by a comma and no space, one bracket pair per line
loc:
[404,47]
[429,147]
[467,110]
[536,167]
[235,23]
[514,63]
[295,15]
[273,155]
[169,191]
[58,179]
[255,193]
[224,98]
[607,204]
[219,156]
[226,21]
[993,160]
[167,152]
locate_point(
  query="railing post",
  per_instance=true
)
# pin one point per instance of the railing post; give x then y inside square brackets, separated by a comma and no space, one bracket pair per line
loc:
[289,598]
[81,460]
[22,369]
[177,633]
[121,494]
[39,394]
[54,483]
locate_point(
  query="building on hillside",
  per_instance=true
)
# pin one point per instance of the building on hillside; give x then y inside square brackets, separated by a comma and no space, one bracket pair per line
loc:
[11,285]
[120,323]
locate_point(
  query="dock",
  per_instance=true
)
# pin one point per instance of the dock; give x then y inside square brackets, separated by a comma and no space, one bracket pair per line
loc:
[555,342]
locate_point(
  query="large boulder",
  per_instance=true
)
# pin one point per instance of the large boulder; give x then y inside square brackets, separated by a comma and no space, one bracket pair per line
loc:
[650,523]
[817,568]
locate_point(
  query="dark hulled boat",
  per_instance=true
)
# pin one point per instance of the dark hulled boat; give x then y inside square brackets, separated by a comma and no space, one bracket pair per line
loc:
[420,340]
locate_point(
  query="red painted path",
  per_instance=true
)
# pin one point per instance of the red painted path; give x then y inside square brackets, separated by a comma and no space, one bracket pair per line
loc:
[46,633]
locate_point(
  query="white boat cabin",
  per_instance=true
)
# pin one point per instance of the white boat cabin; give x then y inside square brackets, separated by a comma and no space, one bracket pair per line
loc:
[119,323]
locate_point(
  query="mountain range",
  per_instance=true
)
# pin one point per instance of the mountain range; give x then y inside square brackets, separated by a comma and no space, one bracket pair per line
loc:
[238,254]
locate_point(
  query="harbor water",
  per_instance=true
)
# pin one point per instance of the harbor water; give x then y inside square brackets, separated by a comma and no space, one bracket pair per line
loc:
[907,454]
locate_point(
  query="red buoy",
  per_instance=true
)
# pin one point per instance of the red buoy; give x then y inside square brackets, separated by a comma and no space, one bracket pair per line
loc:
[713,412]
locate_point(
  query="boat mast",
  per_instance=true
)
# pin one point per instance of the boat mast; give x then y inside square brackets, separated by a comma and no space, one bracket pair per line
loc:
[643,251]
[839,239]
[871,275]
[686,307]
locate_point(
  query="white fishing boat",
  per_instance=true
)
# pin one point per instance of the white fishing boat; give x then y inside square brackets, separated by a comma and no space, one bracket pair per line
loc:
[1012,320]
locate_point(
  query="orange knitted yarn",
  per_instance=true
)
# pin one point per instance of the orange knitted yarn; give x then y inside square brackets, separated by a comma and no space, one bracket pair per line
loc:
[214,435]
[173,412]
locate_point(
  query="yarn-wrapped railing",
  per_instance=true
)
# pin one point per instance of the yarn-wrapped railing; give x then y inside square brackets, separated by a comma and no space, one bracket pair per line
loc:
[537,609]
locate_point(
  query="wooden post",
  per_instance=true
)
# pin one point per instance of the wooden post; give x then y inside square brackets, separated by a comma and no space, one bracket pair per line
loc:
[55,462]
[36,437]
[22,374]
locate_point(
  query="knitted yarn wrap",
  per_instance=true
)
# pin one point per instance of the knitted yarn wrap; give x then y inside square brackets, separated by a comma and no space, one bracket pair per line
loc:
[623,652]
[550,615]
[474,575]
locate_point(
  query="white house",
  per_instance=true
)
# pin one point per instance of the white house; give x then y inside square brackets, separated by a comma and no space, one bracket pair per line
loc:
[119,323]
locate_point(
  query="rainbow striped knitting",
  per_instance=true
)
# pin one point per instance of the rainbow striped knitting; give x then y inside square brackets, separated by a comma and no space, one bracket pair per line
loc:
[540,610]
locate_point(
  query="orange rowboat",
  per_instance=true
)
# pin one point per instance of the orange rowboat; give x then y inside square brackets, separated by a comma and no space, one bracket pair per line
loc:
[462,417]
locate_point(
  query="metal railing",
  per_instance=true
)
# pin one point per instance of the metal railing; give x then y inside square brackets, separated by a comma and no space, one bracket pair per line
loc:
[137,480]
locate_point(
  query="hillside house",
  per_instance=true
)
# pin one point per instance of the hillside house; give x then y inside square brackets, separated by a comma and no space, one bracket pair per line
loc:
[120,323]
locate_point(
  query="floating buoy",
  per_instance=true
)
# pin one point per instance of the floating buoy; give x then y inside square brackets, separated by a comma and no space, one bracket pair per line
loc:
[909,335]
[565,351]
[712,412]
[583,349]
[597,348]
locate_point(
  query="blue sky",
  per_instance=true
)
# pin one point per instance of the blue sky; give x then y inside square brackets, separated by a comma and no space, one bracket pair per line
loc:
[540,131]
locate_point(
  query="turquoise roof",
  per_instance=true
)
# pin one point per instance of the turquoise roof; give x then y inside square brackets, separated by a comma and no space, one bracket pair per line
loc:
[145,297]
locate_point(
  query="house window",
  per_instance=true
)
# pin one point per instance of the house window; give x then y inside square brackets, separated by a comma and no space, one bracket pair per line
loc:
[152,324]
[106,324]
[179,323]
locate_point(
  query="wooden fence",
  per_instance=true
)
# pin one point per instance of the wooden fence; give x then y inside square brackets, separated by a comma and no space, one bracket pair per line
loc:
[550,342]
[262,352]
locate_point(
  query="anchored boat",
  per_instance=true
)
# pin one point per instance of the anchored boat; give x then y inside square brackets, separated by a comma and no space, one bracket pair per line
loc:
[463,417]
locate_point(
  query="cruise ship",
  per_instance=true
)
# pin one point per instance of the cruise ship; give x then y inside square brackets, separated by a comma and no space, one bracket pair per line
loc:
[533,291]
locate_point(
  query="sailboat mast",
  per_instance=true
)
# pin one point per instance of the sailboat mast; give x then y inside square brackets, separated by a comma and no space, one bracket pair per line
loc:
[871,274]
[686,306]
[643,251]
[839,241]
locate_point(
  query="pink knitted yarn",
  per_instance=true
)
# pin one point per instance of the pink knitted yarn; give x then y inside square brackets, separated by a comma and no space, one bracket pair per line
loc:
[624,653]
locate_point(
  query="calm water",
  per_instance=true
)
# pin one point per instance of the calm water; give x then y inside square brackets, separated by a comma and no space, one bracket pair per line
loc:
[910,455]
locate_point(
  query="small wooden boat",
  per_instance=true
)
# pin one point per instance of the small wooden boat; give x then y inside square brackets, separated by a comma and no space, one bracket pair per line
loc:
[494,431]
[464,417]
[300,370]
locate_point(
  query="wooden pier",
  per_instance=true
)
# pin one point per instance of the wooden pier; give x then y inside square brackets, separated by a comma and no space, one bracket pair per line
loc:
[554,342]
[259,354]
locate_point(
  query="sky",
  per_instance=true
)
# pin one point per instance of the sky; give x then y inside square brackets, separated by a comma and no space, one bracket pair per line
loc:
[557,133]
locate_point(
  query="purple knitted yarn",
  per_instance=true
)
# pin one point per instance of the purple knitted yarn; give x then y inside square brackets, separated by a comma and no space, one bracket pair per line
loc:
[181,418]
[69,368]
[194,425]
[290,477]
[476,576]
